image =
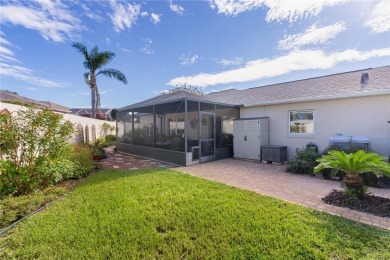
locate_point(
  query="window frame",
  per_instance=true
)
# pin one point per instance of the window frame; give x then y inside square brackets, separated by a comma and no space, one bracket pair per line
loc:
[292,134]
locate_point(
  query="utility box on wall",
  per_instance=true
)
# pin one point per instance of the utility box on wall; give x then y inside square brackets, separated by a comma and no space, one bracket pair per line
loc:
[249,136]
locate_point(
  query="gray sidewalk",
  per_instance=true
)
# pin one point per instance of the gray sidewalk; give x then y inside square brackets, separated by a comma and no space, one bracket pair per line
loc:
[273,180]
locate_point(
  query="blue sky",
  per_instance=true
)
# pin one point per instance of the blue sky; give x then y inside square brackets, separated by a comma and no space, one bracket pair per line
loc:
[214,45]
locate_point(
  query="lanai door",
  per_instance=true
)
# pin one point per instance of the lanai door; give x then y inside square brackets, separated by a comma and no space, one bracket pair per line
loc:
[207,135]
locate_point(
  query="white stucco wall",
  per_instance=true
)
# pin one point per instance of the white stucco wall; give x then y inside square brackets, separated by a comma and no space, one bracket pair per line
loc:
[84,121]
[360,116]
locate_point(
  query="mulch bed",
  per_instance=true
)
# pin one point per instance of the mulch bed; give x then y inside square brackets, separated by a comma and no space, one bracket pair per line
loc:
[370,204]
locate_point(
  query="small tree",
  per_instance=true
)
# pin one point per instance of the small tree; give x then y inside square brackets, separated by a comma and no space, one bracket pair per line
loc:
[353,164]
[107,129]
[29,141]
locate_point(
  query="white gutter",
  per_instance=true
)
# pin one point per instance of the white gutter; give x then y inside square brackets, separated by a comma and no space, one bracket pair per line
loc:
[320,98]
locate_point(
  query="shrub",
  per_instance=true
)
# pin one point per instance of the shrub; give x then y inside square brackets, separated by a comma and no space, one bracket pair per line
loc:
[100,143]
[304,161]
[82,156]
[110,138]
[32,140]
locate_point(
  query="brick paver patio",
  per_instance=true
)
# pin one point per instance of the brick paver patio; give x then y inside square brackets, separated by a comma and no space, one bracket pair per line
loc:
[273,180]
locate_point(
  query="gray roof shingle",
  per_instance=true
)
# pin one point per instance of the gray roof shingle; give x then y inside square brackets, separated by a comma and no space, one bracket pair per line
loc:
[326,87]
[10,96]
[333,86]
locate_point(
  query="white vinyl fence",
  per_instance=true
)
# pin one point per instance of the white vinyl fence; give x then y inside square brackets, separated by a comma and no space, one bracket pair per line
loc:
[86,129]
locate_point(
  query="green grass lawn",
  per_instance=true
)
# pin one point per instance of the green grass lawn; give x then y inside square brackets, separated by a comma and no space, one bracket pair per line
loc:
[168,215]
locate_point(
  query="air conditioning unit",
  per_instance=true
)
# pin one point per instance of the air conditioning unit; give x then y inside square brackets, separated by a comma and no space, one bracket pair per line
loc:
[345,142]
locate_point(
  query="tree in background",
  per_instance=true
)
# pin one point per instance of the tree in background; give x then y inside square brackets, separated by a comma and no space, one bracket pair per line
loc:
[94,61]
[184,87]
[113,113]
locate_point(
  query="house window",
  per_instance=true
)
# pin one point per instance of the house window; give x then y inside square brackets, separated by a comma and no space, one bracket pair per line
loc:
[301,122]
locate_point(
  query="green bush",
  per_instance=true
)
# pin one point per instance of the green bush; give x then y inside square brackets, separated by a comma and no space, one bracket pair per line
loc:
[32,141]
[110,138]
[15,208]
[82,157]
[54,171]
[304,161]
[100,143]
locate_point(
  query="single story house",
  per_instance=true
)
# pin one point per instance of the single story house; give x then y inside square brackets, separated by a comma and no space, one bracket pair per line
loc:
[185,128]
[14,98]
[101,113]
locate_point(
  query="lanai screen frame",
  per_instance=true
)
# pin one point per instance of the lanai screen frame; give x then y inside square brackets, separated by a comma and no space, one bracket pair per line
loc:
[153,152]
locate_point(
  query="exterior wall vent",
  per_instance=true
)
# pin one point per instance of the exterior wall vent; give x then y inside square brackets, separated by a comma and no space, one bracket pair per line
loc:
[364,78]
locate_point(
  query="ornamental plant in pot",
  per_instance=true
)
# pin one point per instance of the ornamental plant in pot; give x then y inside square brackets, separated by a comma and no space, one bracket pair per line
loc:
[353,165]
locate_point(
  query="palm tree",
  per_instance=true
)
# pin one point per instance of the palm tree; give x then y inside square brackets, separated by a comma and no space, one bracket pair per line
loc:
[353,164]
[94,61]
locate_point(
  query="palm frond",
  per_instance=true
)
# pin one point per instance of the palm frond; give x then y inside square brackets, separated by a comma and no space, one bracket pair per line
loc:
[86,78]
[103,58]
[355,163]
[113,73]
[82,49]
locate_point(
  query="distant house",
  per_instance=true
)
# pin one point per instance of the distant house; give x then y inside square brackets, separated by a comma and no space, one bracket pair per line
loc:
[101,113]
[185,128]
[12,97]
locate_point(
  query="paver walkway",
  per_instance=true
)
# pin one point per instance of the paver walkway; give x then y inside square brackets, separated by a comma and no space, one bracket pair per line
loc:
[273,180]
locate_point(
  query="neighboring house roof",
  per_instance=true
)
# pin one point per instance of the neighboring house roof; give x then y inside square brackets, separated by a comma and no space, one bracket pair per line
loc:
[55,107]
[342,85]
[8,96]
[88,111]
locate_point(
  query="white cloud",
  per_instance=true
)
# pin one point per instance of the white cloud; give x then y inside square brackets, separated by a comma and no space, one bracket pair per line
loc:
[126,50]
[188,59]
[312,35]
[278,10]
[34,89]
[155,18]
[265,68]
[147,48]
[176,8]
[52,19]
[229,62]
[143,14]
[379,20]
[25,74]
[3,41]
[6,51]
[108,40]
[8,58]
[9,69]
[91,14]
[124,14]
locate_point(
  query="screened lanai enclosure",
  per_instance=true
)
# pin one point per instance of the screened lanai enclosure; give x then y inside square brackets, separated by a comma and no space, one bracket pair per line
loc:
[181,128]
